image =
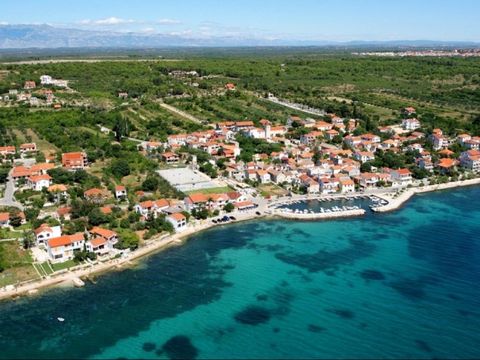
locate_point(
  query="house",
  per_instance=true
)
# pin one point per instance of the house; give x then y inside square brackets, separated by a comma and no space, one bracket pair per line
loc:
[29,85]
[364,156]
[108,235]
[471,160]
[446,165]
[41,169]
[170,158]
[26,148]
[178,220]
[7,150]
[63,248]
[330,134]
[64,213]
[236,197]
[98,245]
[150,146]
[245,206]
[152,208]
[39,182]
[46,80]
[347,186]
[411,124]
[195,201]
[122,95]
[74,160]
[230,87]
[95,195]
[4,219]
[368,180]
[59,189]
[402,176]
[263,176]
[409,111]
[329,185]
[46,232]
[120,192]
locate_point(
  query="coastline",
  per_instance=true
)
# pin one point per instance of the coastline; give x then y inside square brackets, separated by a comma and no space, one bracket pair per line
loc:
[161,243]
[395,203]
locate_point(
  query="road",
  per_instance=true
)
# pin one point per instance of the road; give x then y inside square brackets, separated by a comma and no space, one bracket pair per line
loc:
[299,107]
[8,199]
[181,113]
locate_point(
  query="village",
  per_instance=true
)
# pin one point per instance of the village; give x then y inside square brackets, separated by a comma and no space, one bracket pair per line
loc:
[253,167]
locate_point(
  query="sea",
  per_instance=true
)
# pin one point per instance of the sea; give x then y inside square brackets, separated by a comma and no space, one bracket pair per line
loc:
[398,285]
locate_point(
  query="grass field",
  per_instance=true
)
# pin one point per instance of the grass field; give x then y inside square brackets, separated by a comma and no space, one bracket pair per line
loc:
[219,190]
[65,265]
[271,190]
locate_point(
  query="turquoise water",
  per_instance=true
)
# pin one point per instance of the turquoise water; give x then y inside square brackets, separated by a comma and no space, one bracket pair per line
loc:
[397,285]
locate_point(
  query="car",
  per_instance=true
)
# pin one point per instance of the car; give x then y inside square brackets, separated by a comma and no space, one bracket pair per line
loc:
[232,218]
[225,218]
[258,213]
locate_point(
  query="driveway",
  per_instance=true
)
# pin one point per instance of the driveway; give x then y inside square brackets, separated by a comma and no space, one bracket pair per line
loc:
[8,199]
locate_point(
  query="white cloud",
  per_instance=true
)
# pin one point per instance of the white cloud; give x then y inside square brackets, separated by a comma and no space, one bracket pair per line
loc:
[3,23]
[168,22]
[110,21]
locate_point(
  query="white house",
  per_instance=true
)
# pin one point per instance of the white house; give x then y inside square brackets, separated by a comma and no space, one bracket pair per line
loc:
[411,124]
[39,182]
[63,248]
[4,219]
[120,192]
[46,232]
[347,186]
[402,176]
[178,220]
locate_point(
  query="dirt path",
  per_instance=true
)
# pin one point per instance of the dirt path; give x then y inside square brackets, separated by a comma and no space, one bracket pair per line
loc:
[181,113]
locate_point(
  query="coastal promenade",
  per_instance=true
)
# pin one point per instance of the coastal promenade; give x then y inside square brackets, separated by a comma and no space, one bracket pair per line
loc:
[318,216]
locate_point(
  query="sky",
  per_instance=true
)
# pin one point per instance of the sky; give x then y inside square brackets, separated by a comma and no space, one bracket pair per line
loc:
[334,20]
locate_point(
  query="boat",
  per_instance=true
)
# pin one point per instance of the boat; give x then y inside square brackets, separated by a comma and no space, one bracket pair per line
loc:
[60,319]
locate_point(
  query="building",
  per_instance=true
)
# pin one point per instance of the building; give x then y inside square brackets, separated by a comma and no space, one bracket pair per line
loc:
[347,186]
[39,182]
[120,192]
[74,160]
[45,232]
[108,235]
[471,160]
[170,158]
[26,148]
[178,220]
[63,248]
[402,176]
[411,124]
[4,219]
[7,150]
[95,195]
[29,85]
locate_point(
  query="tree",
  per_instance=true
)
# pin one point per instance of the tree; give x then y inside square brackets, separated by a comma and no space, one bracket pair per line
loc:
[121,128]
[151,183]
[120,168]
[28,239]
[15,219]
[4,174]
[229,207]
[96,217]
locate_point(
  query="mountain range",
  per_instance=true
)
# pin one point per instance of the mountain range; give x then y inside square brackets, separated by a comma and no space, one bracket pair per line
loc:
[49,37]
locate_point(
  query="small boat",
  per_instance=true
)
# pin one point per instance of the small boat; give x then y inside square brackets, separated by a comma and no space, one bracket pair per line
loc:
[60,319]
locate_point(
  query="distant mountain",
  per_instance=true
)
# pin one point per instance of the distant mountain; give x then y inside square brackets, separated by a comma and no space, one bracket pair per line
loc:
[49,37]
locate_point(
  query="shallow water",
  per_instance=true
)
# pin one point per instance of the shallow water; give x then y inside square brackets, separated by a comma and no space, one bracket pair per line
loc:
[399,285]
